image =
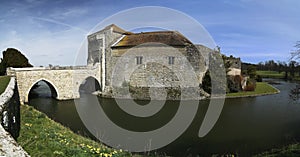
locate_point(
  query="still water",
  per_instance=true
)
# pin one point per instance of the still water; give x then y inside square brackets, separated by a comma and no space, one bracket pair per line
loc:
[246,126]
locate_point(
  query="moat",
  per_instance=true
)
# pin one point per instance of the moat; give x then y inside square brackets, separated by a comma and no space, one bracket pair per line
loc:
[246,126]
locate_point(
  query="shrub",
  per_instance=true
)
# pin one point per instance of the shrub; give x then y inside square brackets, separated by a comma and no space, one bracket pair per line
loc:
[258,78]
[251,84]
[234,83]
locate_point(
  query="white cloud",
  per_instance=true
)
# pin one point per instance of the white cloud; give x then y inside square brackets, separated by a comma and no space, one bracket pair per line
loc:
[238,27]
[59,23]
[43,46]
[261,54]
[60,48]
[63,14]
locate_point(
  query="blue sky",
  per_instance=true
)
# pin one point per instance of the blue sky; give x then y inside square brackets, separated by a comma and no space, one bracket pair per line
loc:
[51,32]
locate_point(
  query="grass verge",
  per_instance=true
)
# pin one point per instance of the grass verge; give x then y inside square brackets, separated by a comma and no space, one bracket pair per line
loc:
[4,80]
[277,75]
[270,74]
[41,136]
[262,88]
[288,151]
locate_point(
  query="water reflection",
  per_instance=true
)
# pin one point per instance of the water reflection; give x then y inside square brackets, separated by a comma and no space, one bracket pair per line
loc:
[295,93]
[246,126]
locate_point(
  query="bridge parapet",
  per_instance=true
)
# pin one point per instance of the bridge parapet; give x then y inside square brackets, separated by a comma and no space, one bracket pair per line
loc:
[11,71]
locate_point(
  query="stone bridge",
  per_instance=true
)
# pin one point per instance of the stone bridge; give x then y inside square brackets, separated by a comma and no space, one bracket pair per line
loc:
[64,82]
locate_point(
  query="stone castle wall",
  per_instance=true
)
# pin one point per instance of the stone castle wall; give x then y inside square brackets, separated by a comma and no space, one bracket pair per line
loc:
[97,49]
[155,70]
[235,66]
[10,120]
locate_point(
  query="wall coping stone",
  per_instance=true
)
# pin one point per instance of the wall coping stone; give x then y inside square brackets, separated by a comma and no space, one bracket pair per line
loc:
[8,146]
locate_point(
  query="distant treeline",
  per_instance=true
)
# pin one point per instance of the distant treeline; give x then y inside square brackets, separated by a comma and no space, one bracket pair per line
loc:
[291,67]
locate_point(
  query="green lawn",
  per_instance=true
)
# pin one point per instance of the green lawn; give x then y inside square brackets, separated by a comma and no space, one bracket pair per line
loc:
[4,80]
[275,74]
[297,78]
[270,74]
[41,136]
[262,88]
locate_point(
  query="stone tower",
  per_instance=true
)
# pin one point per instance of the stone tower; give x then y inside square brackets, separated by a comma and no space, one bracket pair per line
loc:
[99,51]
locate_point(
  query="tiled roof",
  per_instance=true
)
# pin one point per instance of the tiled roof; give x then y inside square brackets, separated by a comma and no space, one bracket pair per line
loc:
[171,38]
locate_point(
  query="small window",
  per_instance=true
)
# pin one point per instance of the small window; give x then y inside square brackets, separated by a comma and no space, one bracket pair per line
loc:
[171,60]
[139,59]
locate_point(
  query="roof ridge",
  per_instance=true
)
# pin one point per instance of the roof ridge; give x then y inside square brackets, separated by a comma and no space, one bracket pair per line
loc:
[153,32]
[182,36]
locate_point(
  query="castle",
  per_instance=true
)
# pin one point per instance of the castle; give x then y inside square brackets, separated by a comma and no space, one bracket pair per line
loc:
[150,63]
[171,50]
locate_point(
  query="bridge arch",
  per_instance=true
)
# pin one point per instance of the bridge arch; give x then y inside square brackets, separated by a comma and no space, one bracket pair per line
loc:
[50,84]
[89,85]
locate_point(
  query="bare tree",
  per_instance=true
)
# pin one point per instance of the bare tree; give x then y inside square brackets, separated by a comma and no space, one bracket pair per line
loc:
[292,66]
[295,54]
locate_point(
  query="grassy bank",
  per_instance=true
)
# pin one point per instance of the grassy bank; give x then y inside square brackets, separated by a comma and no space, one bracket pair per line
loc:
[270,74]
[277,75]
[262,88]
[287,151]
[41,136]
[4,80]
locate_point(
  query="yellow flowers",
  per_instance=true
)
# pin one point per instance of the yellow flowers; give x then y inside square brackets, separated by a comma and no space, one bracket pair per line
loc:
[52,139]
[105,155]
[86,148]
[64,141]
[58,153]
[59,134]
[110,154]
[28,124]
[98,151]
[103,152]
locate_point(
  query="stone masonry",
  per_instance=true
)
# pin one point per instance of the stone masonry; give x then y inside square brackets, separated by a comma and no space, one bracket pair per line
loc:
[148,59]
[65,82]
[8,145]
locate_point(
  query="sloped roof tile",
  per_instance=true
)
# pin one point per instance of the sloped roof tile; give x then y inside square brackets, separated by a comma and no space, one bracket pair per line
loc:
[171,38]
